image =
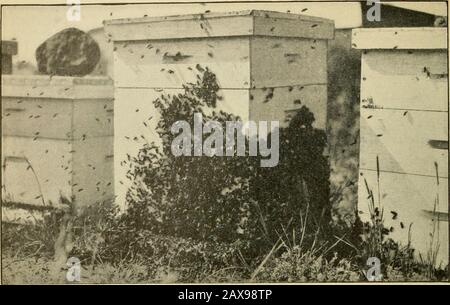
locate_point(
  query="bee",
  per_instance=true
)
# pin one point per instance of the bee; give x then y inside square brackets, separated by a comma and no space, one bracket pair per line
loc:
[394,215]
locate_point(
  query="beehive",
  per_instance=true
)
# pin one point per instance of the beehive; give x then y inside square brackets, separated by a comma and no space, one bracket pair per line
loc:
[249,51]
[57,142]
[404,123]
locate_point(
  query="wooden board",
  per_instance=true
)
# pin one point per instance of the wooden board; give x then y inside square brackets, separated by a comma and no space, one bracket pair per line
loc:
[242,23]
[401,79]
[400,38]
[274,103]
[274,24]
[171,64]
[93,118]
[51,161]
[57,119]
[287,62]
[401,140]
[61,87]
[413,198]
[93,175]
[33,117]
[76,170]
[195,27]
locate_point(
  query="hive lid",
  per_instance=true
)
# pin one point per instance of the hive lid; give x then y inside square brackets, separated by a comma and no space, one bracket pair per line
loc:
[241,23]
[63,87]
[400,38]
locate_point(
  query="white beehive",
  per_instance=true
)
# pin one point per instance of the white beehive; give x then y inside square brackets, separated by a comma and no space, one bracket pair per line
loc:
[404,122]
[57,142]
[250,52]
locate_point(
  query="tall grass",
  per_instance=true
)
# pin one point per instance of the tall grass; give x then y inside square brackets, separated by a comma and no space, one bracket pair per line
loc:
[430,261]
[394,255]
[292,259]
[297,255]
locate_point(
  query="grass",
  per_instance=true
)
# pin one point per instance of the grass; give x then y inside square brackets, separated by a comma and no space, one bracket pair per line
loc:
[111,255]
[293,265]
[430,260]
[29,261]
[398,258]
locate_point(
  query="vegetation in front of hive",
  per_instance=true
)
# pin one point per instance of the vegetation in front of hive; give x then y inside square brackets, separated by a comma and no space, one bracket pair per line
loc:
[399,262]
[229,200]
[216,219]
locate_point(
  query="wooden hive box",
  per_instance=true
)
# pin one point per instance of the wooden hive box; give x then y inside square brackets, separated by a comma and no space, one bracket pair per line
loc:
[57,142]
[404,122]
[250,52]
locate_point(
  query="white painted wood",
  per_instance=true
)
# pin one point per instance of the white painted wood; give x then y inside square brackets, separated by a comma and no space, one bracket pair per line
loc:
[404,122]
[62,128]
[170,64]
[284,61]
[37,117]
[402,79]
[136,106]
[57,118]
[52,164]
[274,103]
[56,107]
[412,198]
[61,87]
[145,29]
[274,62]
[93,118]
[243,23]
[274,25]
[93,175]
[80,170]
[400,38]
[401,141]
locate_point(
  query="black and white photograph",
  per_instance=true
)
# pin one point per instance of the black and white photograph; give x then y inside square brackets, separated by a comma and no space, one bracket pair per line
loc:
[224,142]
